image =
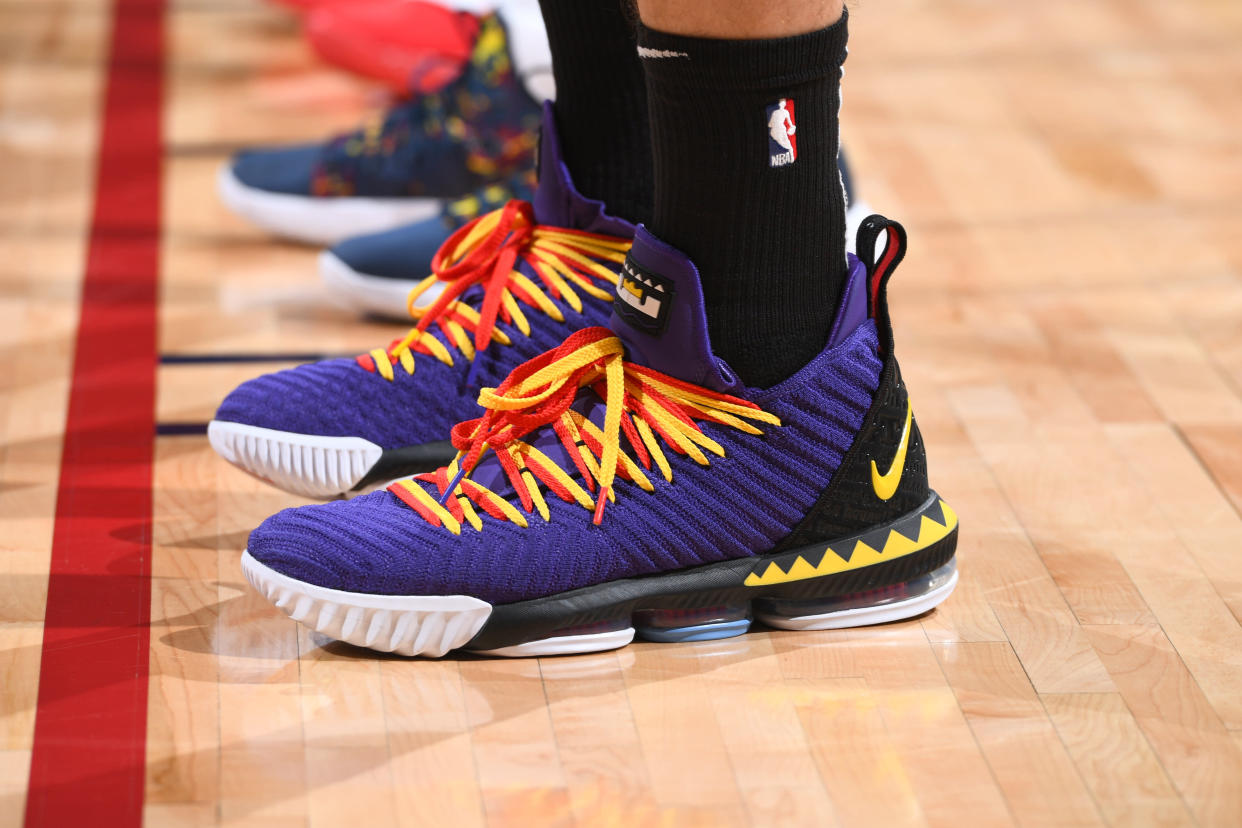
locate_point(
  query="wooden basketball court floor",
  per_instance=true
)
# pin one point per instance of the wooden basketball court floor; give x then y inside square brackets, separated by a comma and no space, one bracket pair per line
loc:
[1070,319]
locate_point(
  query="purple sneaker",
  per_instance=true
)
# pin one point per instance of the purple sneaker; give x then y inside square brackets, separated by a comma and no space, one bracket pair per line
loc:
[515,282]
[627,482]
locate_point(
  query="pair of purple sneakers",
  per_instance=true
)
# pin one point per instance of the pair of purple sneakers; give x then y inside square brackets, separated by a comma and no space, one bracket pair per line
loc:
[600,472]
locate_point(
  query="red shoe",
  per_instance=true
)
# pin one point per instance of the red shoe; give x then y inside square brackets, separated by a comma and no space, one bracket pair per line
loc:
[411,45]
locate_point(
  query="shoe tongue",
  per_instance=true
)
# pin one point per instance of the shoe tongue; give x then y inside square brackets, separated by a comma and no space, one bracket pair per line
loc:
[659,314]
[557,201]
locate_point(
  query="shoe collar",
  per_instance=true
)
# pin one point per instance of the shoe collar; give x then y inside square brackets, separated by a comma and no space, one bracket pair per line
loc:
[659,314]
[557,201]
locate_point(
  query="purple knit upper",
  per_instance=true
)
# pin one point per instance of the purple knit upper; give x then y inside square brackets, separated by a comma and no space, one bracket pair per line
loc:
[340,398]
[741,504]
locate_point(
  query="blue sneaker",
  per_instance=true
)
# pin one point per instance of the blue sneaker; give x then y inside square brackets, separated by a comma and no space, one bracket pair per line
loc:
[627,482]
[514,282]
[374,274]
[479,129]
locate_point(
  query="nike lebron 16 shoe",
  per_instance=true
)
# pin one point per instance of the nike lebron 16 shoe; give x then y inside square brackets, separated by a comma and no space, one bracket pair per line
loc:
[515,282]
[626,482]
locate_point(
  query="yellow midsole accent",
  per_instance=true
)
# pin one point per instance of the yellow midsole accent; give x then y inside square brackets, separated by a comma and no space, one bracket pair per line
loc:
[896,546]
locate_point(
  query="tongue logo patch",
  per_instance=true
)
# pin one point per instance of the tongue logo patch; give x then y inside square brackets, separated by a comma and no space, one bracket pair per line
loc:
[643,298]
[782,143]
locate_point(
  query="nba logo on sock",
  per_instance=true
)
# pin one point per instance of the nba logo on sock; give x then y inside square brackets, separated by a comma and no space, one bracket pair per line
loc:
[782,144]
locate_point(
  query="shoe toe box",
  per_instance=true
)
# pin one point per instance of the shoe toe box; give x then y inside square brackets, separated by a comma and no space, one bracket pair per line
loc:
[370,545]
[331,398]
[340,398]
[403,253]
[285,170]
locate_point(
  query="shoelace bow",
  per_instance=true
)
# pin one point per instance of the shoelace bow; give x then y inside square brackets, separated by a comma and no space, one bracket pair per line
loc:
[486,252]
[639,402]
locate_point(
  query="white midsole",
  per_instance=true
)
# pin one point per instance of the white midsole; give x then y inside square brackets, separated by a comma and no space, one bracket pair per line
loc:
[408,625]
[865,616]
[412,625]
[432,625]
[305,464]
[322,220]
[376,295]
[566,644]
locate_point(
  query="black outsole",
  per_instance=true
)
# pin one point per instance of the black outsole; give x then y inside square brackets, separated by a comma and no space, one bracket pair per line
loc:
[402,462]
[724,584]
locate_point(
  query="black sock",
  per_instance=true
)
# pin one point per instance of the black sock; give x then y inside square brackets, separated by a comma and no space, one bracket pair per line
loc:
[764,225]
[601,103]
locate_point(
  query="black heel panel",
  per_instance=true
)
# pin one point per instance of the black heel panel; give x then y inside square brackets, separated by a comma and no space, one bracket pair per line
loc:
[858,497]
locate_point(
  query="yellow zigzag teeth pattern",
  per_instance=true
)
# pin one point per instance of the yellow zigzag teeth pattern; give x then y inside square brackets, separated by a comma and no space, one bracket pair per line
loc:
[896,546]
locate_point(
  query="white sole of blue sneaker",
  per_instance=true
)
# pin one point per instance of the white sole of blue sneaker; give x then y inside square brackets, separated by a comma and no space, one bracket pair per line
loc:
[376,295]
[304,464]
[318,220]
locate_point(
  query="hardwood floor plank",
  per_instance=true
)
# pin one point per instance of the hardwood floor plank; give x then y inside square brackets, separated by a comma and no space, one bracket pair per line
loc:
[1185,732]
[1115,760]
[1016,736]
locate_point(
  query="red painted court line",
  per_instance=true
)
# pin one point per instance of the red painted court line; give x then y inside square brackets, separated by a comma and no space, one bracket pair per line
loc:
[90,727]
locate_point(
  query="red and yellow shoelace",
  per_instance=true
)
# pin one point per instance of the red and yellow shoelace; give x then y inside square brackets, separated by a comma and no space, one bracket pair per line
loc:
[640,403]
[487,252]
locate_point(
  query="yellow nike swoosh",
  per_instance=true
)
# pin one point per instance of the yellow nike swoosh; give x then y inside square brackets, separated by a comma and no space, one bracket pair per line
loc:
[886,484]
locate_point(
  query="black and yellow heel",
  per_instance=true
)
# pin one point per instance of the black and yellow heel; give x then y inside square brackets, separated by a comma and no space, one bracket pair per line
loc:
[890,572]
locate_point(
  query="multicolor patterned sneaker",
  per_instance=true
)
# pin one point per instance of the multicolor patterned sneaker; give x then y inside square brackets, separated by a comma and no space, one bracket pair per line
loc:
[627,482]
[479,129]
[515,283]
[375,273]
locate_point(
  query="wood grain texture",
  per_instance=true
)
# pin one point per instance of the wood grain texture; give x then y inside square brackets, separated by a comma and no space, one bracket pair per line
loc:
[50,90]
[1070,323]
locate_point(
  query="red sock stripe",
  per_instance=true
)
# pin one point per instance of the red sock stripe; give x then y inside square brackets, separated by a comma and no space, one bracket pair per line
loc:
[88,759]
